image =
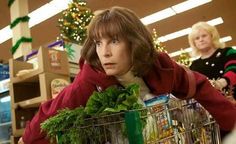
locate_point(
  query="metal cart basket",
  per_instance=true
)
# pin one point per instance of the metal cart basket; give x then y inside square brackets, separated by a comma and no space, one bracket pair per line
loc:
[172,122]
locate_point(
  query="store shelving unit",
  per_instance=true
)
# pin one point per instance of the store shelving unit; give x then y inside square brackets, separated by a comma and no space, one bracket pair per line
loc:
[29,90]
[5,116]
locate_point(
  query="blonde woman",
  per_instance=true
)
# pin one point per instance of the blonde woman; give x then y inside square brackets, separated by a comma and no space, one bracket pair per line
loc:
[215,61]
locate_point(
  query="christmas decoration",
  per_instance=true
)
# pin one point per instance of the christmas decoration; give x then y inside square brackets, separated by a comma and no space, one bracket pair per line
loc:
[17,44]
[10,2]
[18,20]
[64,46]
[74,23]
[157,44]
[184,58]
[69,50]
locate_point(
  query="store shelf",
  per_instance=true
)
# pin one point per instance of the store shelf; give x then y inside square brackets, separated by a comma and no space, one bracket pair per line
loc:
[30,84]
[5,112]
[73,69]
[5,124]
[34,102]
[5,142]
[17,120]
[29,77]
[18,132]
[32,93]
[14,139]
[49,60]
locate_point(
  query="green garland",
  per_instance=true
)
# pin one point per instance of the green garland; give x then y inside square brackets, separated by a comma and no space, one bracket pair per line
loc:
[22,39]
[13,24]
[10,2]
[70,51]
[18,20]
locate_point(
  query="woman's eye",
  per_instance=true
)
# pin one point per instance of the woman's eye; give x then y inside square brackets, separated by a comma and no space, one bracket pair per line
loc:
[98,43]
[196,38]
[115,41]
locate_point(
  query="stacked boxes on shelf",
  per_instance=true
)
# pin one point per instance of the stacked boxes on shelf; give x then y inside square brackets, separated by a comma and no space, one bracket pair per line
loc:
[30,84]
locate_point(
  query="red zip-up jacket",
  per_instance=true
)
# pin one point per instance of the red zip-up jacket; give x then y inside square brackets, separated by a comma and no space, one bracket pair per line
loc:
[165,77]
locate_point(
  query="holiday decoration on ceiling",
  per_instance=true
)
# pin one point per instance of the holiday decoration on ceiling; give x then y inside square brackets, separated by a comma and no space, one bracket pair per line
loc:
[184,58]
[157,44]
[73,24]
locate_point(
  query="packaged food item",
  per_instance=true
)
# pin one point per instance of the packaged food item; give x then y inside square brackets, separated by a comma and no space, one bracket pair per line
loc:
[161,122]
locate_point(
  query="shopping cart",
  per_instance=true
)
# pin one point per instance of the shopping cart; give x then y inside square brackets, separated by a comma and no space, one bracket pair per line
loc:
[172,122]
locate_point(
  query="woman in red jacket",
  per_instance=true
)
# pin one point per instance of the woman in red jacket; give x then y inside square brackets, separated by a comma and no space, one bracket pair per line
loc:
[118,51]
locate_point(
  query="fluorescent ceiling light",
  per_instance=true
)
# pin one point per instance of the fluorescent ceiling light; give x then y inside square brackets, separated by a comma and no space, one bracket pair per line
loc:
[215,21]
[56,6]
[175,35]
[46,11]
[5,99]
[5,34]
[168,12]
[176,53]
[186,31]
[226,39]
[37,16]
[187,5]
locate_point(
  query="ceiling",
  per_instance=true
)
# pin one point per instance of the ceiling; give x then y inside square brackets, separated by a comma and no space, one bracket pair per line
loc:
[46,32]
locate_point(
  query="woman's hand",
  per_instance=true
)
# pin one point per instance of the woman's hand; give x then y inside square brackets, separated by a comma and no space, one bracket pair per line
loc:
[20,141]
[219,83]
[231,99]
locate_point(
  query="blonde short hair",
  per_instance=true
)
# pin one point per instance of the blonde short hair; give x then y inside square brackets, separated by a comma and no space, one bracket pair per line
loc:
[211,30]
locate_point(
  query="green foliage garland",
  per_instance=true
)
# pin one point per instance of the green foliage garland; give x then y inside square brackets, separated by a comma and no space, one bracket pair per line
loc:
[17,44]
[69,50]
[10,2]
[73,24]
[13,24]
[18,20]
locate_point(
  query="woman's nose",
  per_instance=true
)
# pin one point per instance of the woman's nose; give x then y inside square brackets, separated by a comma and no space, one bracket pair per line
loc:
[107,51]
[201,38]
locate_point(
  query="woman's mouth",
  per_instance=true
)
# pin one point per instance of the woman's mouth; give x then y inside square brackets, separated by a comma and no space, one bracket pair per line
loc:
[108,65]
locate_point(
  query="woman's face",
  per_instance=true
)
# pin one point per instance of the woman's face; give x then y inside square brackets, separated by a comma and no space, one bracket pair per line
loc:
[114,55]
[203,40]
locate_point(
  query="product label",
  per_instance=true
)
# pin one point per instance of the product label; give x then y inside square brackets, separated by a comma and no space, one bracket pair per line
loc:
[57,85]
[55,59]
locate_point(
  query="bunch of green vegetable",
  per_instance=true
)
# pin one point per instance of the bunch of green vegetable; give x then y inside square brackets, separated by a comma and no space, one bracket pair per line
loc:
[113,99]
[77,126]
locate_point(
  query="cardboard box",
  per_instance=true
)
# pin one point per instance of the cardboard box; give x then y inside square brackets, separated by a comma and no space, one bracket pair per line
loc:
[49,60]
